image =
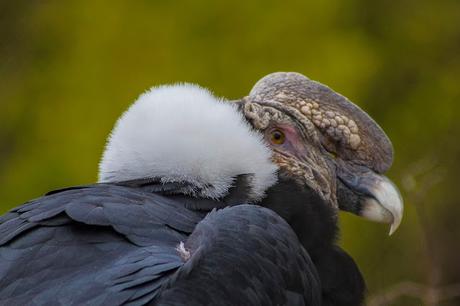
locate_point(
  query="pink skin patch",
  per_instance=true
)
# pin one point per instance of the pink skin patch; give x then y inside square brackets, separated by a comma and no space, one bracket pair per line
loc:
[292,144]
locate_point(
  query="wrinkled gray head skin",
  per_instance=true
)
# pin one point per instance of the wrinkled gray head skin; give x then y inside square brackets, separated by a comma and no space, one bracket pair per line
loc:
[329,144]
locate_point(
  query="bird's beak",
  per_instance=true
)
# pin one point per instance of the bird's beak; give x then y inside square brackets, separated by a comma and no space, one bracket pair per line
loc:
[379,199]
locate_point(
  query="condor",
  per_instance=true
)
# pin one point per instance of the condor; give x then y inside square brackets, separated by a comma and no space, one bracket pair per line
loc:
[202,201]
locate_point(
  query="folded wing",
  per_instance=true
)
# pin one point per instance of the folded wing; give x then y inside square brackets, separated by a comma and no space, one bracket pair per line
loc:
[112,245]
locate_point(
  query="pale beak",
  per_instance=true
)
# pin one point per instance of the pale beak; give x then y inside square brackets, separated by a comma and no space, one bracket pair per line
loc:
[385,204]
[376,197]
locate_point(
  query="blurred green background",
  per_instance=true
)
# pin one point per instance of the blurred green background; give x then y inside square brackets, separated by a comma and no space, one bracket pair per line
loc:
[69,68]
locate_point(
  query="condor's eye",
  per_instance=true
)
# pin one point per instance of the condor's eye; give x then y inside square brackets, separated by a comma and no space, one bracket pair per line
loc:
[277,137]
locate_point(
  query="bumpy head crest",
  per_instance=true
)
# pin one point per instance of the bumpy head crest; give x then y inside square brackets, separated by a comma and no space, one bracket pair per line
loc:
[345,129]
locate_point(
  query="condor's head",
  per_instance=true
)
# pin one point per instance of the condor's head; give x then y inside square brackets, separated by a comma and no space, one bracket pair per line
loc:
[300,148]
[323,142]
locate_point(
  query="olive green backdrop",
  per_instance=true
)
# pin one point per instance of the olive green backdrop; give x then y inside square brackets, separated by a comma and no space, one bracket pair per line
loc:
[69,68]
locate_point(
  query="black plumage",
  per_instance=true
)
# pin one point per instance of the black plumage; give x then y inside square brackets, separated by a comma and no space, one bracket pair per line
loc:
[181,228]
[109,244]
[315,224]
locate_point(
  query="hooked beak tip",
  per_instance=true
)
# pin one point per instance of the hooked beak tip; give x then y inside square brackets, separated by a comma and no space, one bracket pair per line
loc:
[386,205]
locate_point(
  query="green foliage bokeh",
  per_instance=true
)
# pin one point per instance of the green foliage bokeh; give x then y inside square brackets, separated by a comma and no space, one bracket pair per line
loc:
[68,69]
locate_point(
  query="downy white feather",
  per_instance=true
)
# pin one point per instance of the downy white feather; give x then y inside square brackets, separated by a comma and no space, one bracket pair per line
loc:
[182,133]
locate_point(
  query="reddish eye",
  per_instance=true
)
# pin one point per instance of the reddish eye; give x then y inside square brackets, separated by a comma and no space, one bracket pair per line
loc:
[277,137]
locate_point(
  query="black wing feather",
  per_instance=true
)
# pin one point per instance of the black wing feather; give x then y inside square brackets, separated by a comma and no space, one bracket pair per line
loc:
[99,244]
[244,255]
[111,245]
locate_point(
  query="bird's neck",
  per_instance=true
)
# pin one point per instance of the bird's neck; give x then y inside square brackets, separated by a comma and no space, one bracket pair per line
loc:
[313,220]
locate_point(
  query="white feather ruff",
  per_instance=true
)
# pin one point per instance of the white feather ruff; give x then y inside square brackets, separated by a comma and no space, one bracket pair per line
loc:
[184,133]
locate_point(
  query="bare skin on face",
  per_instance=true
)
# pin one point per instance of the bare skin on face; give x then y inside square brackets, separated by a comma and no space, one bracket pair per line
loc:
[330,144]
